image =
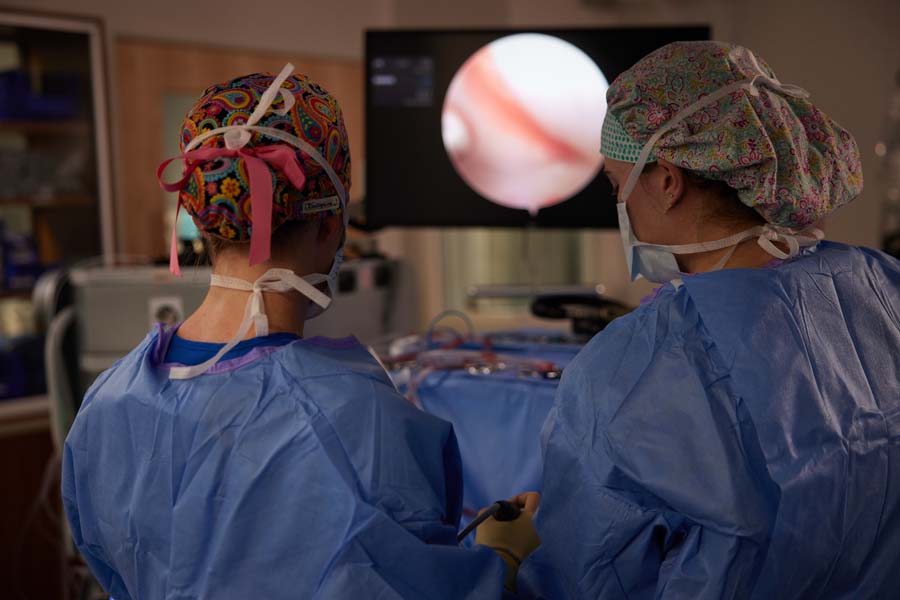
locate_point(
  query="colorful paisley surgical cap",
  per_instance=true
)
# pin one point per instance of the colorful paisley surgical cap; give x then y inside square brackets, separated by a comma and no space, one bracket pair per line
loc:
[258,151]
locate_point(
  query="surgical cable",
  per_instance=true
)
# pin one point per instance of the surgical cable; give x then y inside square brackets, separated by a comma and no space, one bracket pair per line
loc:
[502,510]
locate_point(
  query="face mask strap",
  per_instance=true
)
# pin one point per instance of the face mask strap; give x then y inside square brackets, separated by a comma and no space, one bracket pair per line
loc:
[794,241]
[765,234]
[273,280]
[195,370]
[724,260]
[698,247]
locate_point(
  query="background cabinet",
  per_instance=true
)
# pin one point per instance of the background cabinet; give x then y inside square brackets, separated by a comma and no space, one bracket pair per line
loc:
[55,209]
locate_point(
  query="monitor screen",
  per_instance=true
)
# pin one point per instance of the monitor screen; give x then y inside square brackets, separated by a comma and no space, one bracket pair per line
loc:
[494,128]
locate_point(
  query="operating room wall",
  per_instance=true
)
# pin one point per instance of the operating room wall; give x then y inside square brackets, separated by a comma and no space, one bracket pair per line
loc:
[844,53]
[330,29]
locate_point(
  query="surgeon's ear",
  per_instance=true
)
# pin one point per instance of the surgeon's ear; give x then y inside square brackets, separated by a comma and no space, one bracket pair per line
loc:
[673,184]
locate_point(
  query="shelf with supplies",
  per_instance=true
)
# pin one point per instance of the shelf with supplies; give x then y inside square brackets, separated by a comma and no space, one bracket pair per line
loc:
[52,201]
[49,127]
[23,294]
[23,415]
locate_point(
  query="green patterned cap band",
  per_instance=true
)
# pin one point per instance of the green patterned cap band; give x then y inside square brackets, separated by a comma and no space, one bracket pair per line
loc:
[615,143]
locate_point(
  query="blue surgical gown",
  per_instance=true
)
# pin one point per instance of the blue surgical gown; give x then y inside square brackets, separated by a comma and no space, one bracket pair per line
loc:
[292,472]
[738,437]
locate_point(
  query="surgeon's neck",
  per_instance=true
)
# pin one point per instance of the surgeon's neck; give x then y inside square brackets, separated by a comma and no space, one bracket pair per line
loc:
[748,255]
[220,315]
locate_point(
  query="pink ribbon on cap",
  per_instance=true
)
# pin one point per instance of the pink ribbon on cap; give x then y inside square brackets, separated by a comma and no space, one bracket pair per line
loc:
[258,160]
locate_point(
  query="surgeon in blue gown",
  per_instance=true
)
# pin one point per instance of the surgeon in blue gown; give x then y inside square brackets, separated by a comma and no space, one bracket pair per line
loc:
[231,457]
[738,435]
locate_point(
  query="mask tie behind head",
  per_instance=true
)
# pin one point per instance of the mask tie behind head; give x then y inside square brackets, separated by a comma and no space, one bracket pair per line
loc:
[273,280]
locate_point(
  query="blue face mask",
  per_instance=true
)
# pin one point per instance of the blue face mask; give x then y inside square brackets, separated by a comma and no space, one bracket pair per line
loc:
[654,263]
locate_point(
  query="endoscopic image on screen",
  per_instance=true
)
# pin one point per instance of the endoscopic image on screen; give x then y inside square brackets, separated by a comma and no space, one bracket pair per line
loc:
[497,128]
[521,121]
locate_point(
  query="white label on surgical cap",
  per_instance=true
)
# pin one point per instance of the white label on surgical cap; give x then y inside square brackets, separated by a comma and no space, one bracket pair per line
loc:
[321,205]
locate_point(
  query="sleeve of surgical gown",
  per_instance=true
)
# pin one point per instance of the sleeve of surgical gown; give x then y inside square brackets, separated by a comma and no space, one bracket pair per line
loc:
[92,553]
[652,481]
[407,466]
